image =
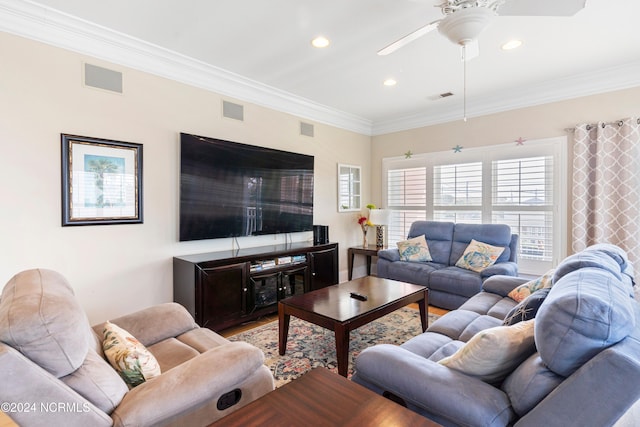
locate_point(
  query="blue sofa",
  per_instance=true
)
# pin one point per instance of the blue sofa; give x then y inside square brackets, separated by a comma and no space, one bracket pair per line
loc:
[450,286]
[584,366]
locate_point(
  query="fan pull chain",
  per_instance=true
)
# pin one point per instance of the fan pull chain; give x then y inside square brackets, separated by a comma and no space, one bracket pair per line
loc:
[464,85]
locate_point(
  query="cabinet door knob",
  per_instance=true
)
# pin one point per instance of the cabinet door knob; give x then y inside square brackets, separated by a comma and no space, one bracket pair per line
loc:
[313,274]
[244,289]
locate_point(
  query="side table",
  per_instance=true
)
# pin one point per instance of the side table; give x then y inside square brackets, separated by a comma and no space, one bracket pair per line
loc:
[6,421]
[368,251]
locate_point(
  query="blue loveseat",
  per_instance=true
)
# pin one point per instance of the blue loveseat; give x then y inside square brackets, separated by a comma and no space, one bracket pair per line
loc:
[584,363]
[450,286]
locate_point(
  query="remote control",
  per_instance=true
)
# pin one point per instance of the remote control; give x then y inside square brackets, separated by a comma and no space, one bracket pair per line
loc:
[358,296]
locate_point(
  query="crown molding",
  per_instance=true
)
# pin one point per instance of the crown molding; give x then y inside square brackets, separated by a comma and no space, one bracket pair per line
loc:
[34,21]
[49,26]
[604,80]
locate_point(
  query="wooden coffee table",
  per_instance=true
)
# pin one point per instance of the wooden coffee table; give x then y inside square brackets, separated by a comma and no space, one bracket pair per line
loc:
[321,398]
[334,309]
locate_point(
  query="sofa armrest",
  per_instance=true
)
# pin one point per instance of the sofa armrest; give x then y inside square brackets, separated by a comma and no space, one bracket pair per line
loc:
[20,377]
[507,268]
[190,385]
[436,389]
[391,254]
[154,324]
[502,285]
[614,372]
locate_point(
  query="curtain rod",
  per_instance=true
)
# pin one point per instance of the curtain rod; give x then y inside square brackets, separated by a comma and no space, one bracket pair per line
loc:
[592,125]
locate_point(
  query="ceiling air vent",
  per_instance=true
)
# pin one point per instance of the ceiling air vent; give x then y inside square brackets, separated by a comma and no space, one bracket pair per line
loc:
[440,96]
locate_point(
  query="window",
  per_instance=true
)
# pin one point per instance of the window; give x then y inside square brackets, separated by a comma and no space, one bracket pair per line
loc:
[516,185]
[407,195]
[522,192]
[457,192]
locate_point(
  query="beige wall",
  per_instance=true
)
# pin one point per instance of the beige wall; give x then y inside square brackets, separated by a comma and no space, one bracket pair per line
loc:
[116,269]
[543,121]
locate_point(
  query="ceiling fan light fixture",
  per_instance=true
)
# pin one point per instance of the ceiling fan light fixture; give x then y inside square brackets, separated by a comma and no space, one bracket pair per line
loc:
[465,25]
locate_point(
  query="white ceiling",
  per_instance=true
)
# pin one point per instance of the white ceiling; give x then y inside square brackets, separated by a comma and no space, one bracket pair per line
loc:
[265,45]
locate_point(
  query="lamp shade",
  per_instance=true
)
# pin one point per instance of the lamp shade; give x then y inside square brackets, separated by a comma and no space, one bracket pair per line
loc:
[379,216]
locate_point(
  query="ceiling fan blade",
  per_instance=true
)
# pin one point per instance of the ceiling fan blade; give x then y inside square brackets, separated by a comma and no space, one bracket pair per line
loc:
[408,38]
[541,7]
[470,50]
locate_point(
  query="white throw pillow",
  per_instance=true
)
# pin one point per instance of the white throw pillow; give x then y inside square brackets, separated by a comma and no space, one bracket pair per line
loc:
[491,355]
[414,249]
[479,256]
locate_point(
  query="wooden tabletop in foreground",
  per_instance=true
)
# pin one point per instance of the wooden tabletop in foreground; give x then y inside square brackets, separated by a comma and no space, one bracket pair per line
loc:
[321,398]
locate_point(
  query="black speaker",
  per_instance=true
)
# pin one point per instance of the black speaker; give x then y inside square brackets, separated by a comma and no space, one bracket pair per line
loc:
[320,234]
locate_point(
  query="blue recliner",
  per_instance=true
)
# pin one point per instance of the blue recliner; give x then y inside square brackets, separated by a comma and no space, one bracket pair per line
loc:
[583,371]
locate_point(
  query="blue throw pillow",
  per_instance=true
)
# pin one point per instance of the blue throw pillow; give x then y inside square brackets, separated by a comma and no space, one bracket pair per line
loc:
[527,308]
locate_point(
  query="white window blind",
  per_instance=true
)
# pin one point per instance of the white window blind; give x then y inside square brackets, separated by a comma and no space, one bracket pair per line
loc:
[457,192]
[523,191]
[507,184]
[406,196]
[457,185]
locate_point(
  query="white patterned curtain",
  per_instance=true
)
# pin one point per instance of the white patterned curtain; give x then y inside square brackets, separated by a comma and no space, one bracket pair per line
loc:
[606,186]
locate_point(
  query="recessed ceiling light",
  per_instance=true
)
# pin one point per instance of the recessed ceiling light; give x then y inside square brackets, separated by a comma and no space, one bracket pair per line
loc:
[390,82]
[512,44]
[320,42]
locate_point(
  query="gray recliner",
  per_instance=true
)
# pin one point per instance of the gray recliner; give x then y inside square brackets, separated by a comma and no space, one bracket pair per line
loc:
[51,359]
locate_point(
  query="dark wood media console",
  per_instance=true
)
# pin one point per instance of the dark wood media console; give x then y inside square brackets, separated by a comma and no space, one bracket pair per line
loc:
[223,289]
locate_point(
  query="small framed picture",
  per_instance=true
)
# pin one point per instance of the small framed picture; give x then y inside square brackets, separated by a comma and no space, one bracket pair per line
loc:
[101,181]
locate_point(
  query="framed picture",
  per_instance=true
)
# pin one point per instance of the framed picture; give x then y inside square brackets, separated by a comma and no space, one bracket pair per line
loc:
[101,181]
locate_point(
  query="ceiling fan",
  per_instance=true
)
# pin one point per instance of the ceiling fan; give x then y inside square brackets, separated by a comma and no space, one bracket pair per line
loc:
[464,20]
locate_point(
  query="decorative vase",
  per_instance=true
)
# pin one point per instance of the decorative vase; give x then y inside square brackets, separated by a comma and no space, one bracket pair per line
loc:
[364,237]
[379,236]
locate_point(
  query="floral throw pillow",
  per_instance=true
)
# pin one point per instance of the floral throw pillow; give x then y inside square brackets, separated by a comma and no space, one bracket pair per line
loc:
[479,256]
[414,250]
[526,289]
[128,356]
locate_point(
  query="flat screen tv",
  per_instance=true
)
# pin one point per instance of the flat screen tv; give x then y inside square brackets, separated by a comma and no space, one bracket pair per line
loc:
[228,189]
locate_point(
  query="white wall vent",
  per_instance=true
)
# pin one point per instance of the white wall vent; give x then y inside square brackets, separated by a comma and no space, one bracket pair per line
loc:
[231,110]
[306,129]
[102,78]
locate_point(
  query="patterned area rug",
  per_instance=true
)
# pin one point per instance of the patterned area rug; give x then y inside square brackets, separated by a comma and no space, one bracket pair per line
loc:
[310,346]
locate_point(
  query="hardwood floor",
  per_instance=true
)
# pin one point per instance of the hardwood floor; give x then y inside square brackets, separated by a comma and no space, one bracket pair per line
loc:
[249,325]
[271,317]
